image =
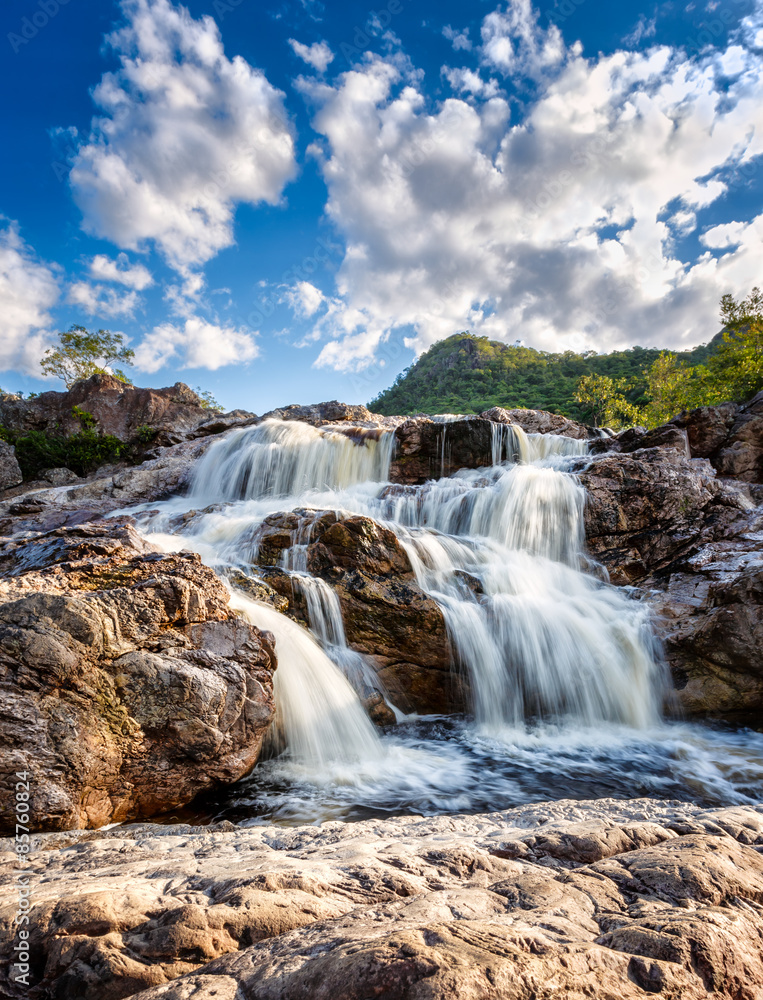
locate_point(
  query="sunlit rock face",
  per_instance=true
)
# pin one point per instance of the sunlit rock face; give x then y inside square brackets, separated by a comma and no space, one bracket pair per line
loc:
[128,685]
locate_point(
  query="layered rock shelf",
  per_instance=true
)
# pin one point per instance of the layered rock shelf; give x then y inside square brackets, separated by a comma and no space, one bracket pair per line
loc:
[606,899]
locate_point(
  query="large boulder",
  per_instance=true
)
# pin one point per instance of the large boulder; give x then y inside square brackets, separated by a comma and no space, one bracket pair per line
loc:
[606,899]
[694,545]
[126,684]
[10,472]
[163,416]
[429,449]
[644,509]
[710,619]
[386,615]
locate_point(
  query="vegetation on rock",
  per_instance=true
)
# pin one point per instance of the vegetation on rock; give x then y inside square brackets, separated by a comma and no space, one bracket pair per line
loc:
[469,374]
[82,452]
[81,354]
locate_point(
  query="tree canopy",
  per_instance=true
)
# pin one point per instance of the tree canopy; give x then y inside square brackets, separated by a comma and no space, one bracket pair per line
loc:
[81,353]
[468,374]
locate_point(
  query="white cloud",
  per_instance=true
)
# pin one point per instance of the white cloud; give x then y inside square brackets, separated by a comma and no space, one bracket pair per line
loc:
[186,134]
[644,29]
[467,81]
[459,39]
[304,298]
[119,271]
[553,228]
[318,55]
[196,344]
[28,289]
[102,301]
[514,43]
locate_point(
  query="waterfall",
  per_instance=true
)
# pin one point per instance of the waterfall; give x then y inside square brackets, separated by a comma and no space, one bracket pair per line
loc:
[565,684]
[499,549]
[324,615]
[287,458]
[318,713]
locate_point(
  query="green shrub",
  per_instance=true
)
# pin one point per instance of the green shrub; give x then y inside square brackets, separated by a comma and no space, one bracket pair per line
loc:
[82,452]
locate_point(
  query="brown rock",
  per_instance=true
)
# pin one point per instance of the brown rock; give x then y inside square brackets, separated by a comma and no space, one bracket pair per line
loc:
[540,422]
[386,615]
[405,908]
[332,412]
[10,473]
[126,686]
[730,435]
[429,449]
[118,408]
[644,509]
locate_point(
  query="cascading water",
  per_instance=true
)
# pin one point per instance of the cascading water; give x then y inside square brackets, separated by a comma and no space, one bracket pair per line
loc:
[318,713]
[561,665]
[278,458]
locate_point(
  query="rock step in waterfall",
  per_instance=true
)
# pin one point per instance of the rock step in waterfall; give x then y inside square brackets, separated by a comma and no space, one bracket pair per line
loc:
[538,637]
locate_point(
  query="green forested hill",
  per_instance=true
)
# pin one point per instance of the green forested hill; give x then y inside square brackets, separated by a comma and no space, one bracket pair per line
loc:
[468,374]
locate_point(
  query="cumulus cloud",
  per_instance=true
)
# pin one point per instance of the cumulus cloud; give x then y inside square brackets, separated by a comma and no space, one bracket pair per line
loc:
[28,289]
[459,39]
[184,135]
[467,81]
[102,301]
[197,343]
[514,43]
[318,55]
[304,298]
[562,228]
[121,272]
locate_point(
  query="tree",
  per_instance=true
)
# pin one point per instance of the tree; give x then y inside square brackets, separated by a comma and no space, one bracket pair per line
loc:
[604,398]
[736,369]
[672,386]
[733,372]
[81,354]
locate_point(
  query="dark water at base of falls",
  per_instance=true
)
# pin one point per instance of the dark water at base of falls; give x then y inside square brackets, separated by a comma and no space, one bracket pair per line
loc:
[447,765]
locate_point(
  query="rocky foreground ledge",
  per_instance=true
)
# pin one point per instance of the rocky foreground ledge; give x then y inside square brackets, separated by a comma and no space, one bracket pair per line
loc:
[607,899]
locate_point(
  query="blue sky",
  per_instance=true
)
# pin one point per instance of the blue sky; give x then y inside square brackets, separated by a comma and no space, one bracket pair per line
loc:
[287,201]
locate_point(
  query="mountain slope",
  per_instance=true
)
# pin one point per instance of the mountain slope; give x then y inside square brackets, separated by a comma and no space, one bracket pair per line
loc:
[468,374]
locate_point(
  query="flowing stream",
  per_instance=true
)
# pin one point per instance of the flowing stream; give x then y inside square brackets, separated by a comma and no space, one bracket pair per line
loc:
[565,677]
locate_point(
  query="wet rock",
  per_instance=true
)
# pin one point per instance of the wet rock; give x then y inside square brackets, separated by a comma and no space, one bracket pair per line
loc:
[644,509]
[730,436]
[387,617]
[429,449]
[710,618]
[10,472]
[694,545]
[611,899]
[541,422]
[126,685]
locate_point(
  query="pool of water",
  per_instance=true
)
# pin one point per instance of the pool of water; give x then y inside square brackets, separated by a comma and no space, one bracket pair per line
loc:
[439,765]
